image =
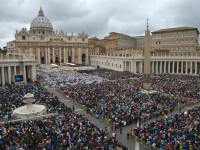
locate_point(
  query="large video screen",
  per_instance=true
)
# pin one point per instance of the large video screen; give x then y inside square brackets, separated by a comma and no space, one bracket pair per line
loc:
[19,78]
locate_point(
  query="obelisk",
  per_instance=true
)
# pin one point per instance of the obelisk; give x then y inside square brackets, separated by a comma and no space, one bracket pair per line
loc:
[147,62]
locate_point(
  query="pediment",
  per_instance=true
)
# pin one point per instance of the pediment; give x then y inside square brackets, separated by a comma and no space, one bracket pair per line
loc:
[57,40]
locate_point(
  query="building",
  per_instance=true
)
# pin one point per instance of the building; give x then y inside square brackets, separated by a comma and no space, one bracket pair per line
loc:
[48,45]
[117,41]
[182,57]
[13,64]
[180,39]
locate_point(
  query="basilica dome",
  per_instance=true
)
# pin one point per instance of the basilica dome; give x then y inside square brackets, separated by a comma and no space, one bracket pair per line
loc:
[41,21]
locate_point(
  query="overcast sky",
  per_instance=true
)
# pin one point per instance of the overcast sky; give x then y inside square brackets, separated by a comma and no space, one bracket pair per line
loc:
[98,17]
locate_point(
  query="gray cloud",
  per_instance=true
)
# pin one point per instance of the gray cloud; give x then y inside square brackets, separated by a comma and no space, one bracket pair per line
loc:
[98,17]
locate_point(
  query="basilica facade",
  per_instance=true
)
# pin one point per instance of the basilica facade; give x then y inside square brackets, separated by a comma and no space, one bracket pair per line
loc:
[48,45]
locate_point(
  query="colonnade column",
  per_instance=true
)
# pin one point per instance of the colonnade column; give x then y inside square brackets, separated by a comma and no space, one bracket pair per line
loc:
[152,67]
[169,64]
[191,67]
[182,67]
[165,63]
[15,70]
[9,75]
[33,72]
[177,69]
[173,68]
[124,64]
[195,67]
[141,64]
[53,54]
[135,66]
[160,67]
[3,76]
[186,68]
[24,73]
[156,67]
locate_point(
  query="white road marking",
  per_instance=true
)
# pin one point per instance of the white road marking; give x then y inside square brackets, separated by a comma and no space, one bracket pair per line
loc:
[66,100]
[166,116]
[78,109]
[137,146]
[188,107]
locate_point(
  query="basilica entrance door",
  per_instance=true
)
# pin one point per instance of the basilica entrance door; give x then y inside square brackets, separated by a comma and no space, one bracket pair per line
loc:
[57,60]
[42,60]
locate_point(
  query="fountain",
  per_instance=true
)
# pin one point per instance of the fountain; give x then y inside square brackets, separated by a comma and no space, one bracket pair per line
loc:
[29,109]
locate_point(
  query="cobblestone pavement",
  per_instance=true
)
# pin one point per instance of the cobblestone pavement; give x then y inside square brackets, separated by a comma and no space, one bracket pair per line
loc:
[122,138]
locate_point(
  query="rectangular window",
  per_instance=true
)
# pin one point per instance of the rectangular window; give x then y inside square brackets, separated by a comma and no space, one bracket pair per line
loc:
[23,38]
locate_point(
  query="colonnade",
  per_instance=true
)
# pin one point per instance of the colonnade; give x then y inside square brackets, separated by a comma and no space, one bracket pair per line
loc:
[159,67]
[47,55]
[7,73]
[174,67]
[133,66]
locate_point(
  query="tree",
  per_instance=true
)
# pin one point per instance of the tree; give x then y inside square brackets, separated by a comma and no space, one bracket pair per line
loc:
[3,50]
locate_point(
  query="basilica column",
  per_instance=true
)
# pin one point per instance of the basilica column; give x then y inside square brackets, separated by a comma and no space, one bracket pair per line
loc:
[9,74]
[46,55]
[64,54]
[60,58]
[191,67]
[182,67]
[73,54]
[3,76]
[53,54]
[38,56]
[49,58]
[87,56]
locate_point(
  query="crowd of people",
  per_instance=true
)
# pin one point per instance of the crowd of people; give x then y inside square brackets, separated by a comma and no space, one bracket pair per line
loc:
[178,85]
[122,102]
[62,78]
[111,74]
[178,132]
[116,97]
[11,97]
[62,132]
